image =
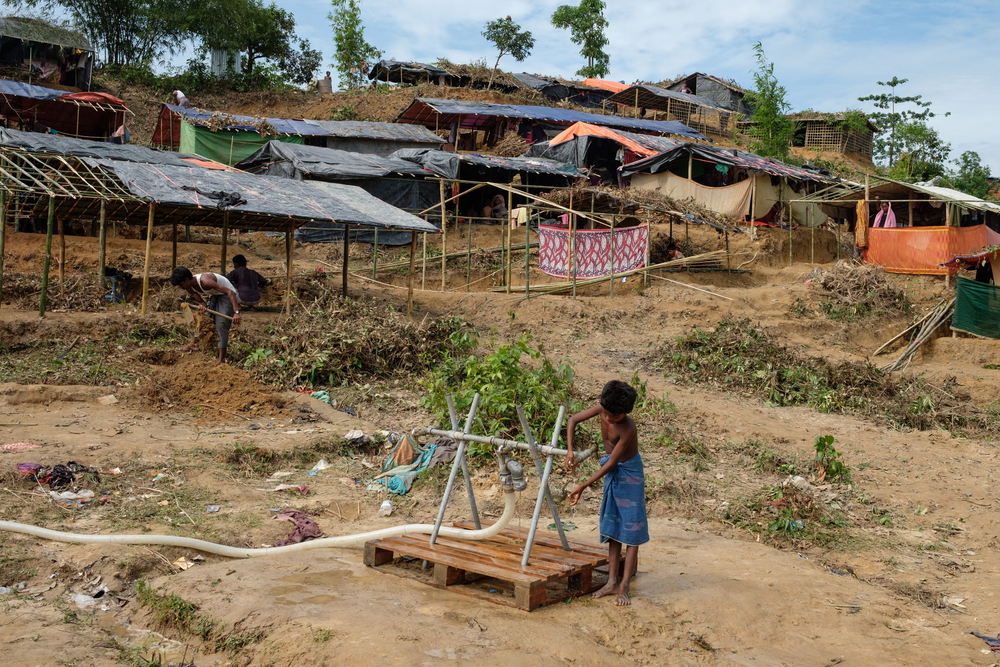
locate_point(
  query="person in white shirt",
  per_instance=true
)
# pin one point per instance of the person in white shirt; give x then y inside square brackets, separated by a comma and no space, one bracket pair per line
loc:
[179,99]
[222,299]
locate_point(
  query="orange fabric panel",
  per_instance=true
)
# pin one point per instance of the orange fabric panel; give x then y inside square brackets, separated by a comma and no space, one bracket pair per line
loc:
[861,226]
[613,86]
[208,164]
[584,129]
[922,250]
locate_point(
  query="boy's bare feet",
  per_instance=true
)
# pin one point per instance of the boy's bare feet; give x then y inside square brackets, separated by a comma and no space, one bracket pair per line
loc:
[608,589]
[623,600]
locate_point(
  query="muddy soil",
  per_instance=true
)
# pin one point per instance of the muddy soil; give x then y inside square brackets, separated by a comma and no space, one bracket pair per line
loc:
[708,591]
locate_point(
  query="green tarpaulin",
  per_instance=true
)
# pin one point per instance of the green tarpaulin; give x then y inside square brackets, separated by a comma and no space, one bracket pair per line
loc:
[226,146]
[977,309]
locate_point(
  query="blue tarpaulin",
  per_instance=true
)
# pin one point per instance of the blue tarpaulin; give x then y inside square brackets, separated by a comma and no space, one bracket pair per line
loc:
[246,123]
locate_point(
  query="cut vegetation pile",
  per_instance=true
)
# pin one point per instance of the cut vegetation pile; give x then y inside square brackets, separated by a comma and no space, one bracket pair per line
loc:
[339,340]
[740,356]
[80,292]
[860,291]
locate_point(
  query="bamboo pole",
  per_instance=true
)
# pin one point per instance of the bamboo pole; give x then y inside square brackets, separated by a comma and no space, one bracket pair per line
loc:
[149,254]
[3,237]
[569,246]
[173,250]
[468,261]
[62,250]
[729,257]
[347,252]
[289,245]
[225,242]
[444,236]
[102,242]
[505,264]
[375,255]
[812,236]
[527,257]
[614,219]
[413,252]
[423,276]
[187,233]
[48,257]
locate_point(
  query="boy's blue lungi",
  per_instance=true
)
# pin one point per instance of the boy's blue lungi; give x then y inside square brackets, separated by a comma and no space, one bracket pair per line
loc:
[623,507]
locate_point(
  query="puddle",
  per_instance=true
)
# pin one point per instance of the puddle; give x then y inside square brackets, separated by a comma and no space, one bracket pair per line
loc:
[302,583]
[285,590]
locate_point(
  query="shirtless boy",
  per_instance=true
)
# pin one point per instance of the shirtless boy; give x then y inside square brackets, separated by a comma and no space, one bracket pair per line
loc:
[623,507]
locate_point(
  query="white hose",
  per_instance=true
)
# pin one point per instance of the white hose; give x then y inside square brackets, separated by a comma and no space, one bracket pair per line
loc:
[235,552]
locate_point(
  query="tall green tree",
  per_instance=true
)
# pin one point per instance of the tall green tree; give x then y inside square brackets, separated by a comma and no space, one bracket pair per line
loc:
[508,38]
[771,128]
[586,25]
[972,176]
[351,49]
[889,145]
[922,153]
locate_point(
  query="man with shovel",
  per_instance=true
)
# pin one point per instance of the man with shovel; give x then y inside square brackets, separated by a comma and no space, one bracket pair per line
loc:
[222,303]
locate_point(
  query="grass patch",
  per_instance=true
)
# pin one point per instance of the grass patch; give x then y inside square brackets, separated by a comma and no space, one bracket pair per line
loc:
[174,612]
[739,356]
[757,455]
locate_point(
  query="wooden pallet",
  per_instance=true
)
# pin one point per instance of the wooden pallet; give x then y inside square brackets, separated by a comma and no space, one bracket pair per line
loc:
[491,569]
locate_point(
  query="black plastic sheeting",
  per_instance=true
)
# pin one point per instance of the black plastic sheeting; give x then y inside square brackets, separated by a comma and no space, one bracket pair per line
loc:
[447,165]
[412,72]
[575,150]
[355,129]
[264,195]
[298,161]
[727,156]
[50,143]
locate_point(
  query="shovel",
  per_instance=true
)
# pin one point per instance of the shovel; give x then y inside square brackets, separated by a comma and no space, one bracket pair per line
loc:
[189,316]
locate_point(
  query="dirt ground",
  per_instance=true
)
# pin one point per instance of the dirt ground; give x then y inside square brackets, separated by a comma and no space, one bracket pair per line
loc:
[902,585]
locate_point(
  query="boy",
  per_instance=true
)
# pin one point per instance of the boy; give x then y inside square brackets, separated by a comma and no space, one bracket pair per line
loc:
[221,298]
[247,282]
[623,507]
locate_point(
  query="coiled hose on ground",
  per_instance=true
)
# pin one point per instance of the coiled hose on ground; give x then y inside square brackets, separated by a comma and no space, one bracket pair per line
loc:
[236,552]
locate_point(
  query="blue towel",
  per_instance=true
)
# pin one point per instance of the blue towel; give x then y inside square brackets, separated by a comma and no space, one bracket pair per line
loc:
[623,507]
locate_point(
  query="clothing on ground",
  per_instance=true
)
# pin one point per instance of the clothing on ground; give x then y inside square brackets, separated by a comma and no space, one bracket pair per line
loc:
[623,507]
[445,452]
[220,303]
[305,528]
[220,279]
[248,284]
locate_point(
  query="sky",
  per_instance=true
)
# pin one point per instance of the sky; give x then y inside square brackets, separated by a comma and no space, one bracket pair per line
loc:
[826,54]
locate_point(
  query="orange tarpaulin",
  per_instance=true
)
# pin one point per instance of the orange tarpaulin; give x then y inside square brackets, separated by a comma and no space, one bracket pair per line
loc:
[613,86]
[583,129]
[922,250]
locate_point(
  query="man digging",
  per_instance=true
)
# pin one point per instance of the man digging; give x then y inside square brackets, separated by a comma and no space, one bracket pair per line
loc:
[222,300]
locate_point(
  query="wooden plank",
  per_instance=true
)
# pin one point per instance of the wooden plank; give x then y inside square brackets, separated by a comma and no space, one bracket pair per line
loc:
[469,557]
[449,556]
[509,554]
[375,556]
[529,596]
[554,551]
[445,575]
[581,582]
[522,534]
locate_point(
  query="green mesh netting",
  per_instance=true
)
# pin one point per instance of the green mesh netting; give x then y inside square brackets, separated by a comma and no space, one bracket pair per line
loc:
[977,309]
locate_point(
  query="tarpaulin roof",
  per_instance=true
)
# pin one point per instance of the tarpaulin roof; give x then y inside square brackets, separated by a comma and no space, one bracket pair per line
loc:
[586,129]
[92,115]
[262,201]
[353,129]
[613,86]
[49,143]
[654,97]
[202,117]
[36,30]
[300,161]
[888,189]
[726,156]
[390,70]
[532,81]
[441,113]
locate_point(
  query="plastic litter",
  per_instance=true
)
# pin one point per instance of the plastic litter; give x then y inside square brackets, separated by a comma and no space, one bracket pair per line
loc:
[212,508]
[386,508]
[71,500]
[4,590]
[321,465]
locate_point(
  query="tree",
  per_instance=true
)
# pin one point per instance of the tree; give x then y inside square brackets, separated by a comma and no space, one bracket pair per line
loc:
[972,176]
[508,37]
[771,128]
[887,147]
[586,25]
[922,153]
[351,51]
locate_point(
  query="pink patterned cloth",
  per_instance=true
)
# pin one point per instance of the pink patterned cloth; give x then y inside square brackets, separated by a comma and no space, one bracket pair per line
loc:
[18,447]
[592,250]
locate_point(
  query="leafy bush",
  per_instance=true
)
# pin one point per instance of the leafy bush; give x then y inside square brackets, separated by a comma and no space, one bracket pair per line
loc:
[515,374]
[828,463]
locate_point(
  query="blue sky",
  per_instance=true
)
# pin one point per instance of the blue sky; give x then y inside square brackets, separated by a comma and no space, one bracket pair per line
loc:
[827,54]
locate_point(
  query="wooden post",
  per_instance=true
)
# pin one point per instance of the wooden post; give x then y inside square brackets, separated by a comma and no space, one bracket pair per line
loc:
[909,214]
[187,233]
[444,236]
[413,252]
[510,240]
[423,276]
[527,257]
[173,251]
[3,235]
[347,251]
[781,201]
[48,258]
[225,242]
[637,101]
[690,166]
[62,250]
[812,235]
[375,255]
[101,242]
[614,219]
[289,245]
[729,263]
[149,254]
[572,252]
[468,264]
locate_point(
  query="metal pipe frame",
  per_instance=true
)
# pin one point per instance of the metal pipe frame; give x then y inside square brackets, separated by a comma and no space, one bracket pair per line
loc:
[465,464]
[543,489]
[459,457]
[507,445]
